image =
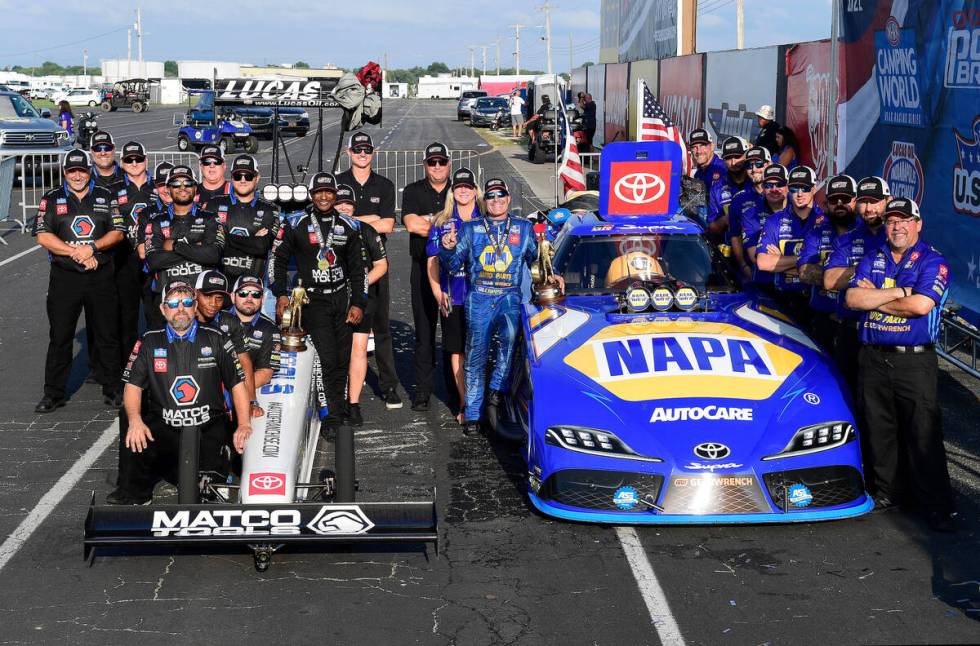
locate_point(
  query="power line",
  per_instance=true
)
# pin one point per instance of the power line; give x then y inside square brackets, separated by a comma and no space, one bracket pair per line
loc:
[724,3]
[74,42]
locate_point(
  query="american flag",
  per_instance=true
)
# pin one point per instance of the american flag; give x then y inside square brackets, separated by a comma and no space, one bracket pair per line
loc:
[570,171]
[655,125]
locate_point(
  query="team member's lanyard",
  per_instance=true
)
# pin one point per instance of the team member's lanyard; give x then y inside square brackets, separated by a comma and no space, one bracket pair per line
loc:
[326,245]
[498,242]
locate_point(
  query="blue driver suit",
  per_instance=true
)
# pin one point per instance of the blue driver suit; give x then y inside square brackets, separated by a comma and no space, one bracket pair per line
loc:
[495,253]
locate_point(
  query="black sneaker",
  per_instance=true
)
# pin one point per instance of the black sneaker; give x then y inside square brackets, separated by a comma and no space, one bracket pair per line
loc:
[119,497]
[942,521]
[48,404]
[883,504]
[391,399]
[354,417]
[471,428]
[420,403]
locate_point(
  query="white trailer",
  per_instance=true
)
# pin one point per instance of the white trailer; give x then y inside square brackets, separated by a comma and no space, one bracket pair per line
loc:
[444,86]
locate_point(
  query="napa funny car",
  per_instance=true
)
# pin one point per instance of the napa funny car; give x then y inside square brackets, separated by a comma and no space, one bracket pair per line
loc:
[658,391]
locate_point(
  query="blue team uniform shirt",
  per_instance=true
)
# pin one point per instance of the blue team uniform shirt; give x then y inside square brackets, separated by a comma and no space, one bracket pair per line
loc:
[817,244]
[713,172]
[786,231]
[753,221]
[721,194]
[846,250]
[489,269]
[453,283]
[744,202]
[922,269]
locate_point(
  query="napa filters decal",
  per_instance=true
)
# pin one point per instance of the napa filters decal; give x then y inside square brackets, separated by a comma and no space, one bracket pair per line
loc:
[672,359]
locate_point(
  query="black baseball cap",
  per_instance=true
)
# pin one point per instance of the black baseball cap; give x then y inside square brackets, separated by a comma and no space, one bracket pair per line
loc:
[495,184]
[803,176]
[211,281]
[699,136]
[465,177]
[245,163]
[758,153]
[102,138]
[181,171]
[212,152]
[323,182]
[345,195]
[133,149]
[872,189]
[436,150]
[178,285]
[248,281]
[77,160]
[775,173]
[842,185]
[162,172]
[360,140]
[734,147]
[903,206]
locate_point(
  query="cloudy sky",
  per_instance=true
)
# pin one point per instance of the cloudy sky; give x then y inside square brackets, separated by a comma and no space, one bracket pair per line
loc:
[349,33]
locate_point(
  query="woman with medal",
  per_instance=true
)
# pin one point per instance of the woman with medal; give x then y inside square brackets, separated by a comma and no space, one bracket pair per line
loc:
[462,205]
[495,251]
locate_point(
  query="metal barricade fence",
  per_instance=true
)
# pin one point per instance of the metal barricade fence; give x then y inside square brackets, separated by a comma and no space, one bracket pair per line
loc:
[958,342]
[7,165]
[403,167]
[39,173]
[590,162]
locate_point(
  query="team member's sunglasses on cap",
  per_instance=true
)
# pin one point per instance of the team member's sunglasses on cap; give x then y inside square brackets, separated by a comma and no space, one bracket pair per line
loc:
[248,293]
[177,302]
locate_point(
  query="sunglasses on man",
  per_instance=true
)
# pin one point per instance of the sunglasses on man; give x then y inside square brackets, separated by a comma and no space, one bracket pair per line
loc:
[839,199]
[242,176]
[362,150]
[212,162]
[800,189]
[771,186]
[179,302]
[431,163]
[134,160]
[103,148]
[185,183]
[248,293]
[497,195]
[757,164]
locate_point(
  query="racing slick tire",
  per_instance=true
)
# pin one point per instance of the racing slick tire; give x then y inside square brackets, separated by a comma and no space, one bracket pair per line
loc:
[183,143]
[251,145]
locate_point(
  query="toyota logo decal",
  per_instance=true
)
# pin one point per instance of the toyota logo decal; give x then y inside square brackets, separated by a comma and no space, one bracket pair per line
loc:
[266,482]
[639,188]
[712,451]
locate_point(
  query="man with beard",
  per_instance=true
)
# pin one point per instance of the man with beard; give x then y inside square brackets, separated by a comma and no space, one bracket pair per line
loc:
[721,194]
[901,287]
[161,200]
[330,261]
[780,243]
[709,167]
[105,171]
[817,245]
[262,337]
[753,222]
[184,371]
[743,207]
[213,182]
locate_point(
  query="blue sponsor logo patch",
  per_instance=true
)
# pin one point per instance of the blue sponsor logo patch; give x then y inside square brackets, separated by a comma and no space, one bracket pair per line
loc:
[160,353]
[799,495]
[626,498]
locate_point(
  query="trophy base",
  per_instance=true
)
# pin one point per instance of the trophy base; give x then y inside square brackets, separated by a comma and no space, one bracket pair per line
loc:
[292,341]
[546,295]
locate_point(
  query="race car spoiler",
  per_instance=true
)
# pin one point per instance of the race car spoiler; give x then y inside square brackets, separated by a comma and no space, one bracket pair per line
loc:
[286,524]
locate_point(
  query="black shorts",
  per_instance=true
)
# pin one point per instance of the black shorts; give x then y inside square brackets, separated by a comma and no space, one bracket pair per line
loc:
[364,327]
[454,331]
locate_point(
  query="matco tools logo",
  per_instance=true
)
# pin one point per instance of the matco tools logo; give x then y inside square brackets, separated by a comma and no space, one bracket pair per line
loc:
[639,188]
[82,226]
[267,484]
[329,520]
[184,390]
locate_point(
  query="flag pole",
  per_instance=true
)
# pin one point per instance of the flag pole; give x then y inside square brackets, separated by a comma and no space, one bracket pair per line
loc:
[560,99]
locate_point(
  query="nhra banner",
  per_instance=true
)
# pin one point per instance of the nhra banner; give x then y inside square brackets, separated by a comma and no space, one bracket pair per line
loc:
[910,112]
[289,93]
[617,98]
[738,82]
[681,91]
[808,102]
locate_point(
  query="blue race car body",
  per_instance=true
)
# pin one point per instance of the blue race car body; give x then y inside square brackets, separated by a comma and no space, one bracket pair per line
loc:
[659,392]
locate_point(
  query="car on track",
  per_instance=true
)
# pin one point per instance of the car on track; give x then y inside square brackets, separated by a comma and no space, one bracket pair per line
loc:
[486,109]
[466,101]
[684,398]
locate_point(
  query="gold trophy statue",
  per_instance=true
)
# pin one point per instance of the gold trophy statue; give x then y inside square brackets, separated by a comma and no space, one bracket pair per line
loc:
[547,286]
[292,320]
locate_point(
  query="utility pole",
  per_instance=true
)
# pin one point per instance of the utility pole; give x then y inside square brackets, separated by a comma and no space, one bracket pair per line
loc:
[547,31]
[517,48]
[484,59]
[569,58]
[139,40]
[129,53]
[497,57]
[740,24]
[84,62]
[472,49]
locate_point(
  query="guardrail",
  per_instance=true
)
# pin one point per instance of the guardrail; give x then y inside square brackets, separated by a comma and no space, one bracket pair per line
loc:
[590,161]
[39,173]
[958,341]
[7,165]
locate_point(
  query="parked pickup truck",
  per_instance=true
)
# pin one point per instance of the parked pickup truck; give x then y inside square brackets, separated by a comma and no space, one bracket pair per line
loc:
[25,131]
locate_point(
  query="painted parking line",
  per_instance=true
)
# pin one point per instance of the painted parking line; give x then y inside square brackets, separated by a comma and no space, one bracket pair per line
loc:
[653,594]
[19,255]
[50,501]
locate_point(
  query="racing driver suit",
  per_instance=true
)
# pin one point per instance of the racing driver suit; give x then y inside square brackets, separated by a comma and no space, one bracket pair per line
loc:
[496,253]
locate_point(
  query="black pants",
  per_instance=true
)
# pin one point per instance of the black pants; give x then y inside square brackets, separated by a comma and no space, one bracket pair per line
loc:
[823,329]
[384,354]
[332,336]
[796,305]
[69,293]
[425,316]
[901,412]
[846,349]
[129,292]
[140,472]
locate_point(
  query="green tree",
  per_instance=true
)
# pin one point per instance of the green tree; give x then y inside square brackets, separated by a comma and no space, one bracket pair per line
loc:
[301,65]
[437,68]
[170,69]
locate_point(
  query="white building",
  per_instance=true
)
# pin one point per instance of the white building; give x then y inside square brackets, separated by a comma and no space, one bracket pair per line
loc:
[119,69]
[444,86]
[394,90]
[208,70]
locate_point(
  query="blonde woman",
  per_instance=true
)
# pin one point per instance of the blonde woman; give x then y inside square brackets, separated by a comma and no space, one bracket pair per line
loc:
[462,204]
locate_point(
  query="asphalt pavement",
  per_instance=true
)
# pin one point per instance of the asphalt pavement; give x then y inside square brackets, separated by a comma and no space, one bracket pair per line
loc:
[504,574]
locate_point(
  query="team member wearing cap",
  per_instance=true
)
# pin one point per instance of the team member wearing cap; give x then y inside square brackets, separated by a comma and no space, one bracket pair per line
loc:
[377,263]
[250,223]
[496,250]
[800,185]
[768,127]
[105,171]
[817,245]
[901,287]
[744,205]
[847,250]
[78,223]
[710,167]
[421,202]
[374,204]
[213,180]
[462,205]
[185,239]
[330,261]
[721,193]
[183,370]
[262,337]
[152,318]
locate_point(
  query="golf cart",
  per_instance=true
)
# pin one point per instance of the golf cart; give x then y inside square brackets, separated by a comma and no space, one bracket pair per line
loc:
[131,93]
[205,124]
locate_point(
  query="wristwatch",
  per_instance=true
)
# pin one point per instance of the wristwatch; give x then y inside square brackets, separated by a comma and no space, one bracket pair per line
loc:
[254,403]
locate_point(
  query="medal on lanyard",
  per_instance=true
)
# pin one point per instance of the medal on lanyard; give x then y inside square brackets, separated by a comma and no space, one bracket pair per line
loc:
[498,242]
[327,255]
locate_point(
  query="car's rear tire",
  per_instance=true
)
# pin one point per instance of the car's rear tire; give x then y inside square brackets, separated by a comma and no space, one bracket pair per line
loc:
[251,145]
[137,107]
[183,143]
